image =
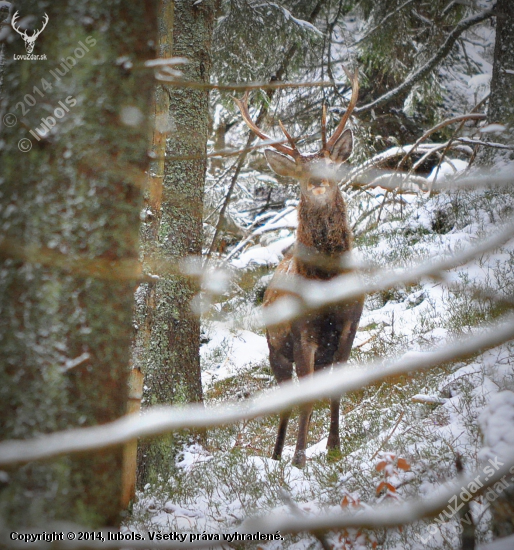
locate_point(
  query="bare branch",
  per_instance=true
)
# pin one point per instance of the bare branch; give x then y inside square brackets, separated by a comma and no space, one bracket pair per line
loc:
[423,71]
[437,127]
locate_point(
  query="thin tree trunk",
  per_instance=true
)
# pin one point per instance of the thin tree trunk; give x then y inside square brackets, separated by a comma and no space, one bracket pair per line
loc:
[171,361]
[501,102]
[69,242]
[501,110]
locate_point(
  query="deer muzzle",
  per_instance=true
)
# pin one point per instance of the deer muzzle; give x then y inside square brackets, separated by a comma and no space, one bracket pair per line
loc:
[318,188]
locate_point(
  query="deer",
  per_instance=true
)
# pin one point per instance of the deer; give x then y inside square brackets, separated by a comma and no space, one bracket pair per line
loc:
[29,40]
[324,337]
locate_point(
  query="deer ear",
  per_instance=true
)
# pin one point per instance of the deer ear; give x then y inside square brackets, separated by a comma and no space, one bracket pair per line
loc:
[343,147]
[280,164]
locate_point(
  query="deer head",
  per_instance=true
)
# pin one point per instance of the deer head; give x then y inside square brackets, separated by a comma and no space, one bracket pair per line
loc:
[317,172]
[29,40]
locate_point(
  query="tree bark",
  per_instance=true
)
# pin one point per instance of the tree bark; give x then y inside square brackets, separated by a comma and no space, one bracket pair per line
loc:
[69,222]
[501,110]
[501,101]
[171,362]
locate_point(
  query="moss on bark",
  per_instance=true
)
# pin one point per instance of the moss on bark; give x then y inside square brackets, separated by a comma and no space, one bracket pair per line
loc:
[171,362]
[69,225]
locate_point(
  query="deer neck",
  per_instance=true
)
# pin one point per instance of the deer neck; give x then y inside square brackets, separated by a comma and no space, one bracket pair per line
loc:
[323,236]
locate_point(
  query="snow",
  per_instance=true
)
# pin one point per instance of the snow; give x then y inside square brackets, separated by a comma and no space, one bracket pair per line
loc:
[230,351]
[264,255]
[506,543]
[447,170]
[446,414]
[497,424]
[434,421]
[449,412]
[493,129]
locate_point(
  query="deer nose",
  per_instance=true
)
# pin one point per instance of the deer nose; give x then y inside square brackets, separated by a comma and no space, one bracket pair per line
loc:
[317,187]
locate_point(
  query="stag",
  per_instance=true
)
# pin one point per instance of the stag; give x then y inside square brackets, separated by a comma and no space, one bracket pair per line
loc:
[29,40]
[323,240]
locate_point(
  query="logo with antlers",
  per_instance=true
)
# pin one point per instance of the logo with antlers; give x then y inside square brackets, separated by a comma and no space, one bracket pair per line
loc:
[29,40]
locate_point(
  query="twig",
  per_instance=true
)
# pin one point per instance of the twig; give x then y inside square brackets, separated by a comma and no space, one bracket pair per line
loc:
[437,127]
[388,437]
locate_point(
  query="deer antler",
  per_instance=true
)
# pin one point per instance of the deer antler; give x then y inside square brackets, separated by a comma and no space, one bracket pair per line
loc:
[24,34]
[289,151]
[354,79]
[45,23]
[13,21]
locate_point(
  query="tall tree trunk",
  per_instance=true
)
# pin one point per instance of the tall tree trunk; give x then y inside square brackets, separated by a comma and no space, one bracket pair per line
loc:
[501,110]
[70,196]
[501,101]
[171,363]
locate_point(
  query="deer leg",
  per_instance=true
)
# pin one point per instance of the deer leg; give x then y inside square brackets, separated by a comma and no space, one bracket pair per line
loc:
[342,355]
[299,457]
[283,371]
[281,436]
[304,358]
[334,443]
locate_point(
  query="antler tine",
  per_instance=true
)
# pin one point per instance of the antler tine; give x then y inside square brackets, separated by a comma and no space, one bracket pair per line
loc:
[324,127]
[36,32]
[243,107]
[354,79]
[296,153]
[45,23]
[13,22]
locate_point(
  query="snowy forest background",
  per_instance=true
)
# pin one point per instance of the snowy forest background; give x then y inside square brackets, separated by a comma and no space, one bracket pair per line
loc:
[153,187]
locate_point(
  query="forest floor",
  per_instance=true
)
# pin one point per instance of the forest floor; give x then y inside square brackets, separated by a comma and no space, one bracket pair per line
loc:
[401,438]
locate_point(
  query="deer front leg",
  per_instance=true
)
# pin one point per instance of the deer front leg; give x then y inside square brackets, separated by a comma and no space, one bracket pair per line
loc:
[344,349]
[304,351]
[299,457]
[283,370]
[281,436]
[334,443]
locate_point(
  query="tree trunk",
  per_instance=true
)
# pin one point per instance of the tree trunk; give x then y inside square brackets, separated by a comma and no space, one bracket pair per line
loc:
[501,101]
[501,110]
[171,362]
[69,221]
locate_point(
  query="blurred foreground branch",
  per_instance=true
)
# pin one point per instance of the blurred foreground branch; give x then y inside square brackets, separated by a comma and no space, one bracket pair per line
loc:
[160,420]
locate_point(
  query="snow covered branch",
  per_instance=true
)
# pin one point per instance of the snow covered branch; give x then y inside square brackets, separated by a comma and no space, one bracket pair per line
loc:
[437,127]
[315,295]
[160,420]
[383,516]
[451,495]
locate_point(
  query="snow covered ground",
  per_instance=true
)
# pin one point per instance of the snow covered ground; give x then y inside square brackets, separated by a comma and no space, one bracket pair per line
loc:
[423,422]
[401,439]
